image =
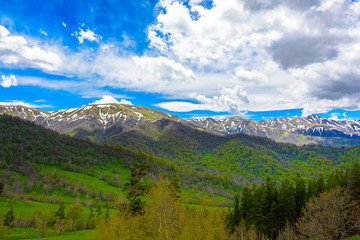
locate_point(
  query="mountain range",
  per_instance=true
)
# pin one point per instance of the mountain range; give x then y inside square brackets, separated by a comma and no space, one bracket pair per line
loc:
[107,122]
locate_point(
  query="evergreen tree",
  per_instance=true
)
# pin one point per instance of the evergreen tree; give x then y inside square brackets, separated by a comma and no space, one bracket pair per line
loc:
[234,216]
[61,211]
[354,182]
[247,206]
[175,186]
[136,187]
[1,188]
[107,214]
[9,217]
[271,208]
[91,216]
[287,205]
[300,194]
[98,211]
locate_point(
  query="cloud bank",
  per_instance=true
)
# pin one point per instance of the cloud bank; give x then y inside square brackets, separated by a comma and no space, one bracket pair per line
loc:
[234,56]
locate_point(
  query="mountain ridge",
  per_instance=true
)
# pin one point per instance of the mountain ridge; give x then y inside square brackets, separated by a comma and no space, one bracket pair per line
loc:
[100,122]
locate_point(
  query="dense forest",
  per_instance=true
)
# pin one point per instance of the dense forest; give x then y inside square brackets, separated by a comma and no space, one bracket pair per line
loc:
[186,186]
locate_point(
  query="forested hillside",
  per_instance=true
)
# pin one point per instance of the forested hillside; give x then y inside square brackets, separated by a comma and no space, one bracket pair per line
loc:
[53,184]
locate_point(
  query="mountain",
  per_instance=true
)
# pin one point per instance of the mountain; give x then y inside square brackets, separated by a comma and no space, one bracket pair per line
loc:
[129,124]
[312,129]
[97,122]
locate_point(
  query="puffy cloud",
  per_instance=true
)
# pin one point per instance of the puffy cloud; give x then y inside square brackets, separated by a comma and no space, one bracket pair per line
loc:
[64,24]
[164,70]
[87,35]
[8,81]
[284,53]
[231,100]
[109,99]
[16,50]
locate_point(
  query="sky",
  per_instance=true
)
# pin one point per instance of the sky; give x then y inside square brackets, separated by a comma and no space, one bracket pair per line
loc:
[257,59]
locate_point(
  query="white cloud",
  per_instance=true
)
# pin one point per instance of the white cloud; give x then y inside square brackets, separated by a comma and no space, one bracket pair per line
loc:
[284,54]
[8,81]
[164,70]
[87,35]
[239,55]
[43,32]
[109,99]
[21,103]
[64,24]
[232,100]
[16,50]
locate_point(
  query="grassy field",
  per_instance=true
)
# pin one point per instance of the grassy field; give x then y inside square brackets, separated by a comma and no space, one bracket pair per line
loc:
[30,233]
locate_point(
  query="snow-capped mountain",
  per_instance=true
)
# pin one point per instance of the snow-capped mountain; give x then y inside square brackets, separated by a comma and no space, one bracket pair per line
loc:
[95,121]
[311,129]
[100,122]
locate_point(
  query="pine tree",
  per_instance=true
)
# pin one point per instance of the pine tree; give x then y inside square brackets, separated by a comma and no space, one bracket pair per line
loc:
[136,188]
[107,214]
[234,216]
[175,186]
[354,182]
[247,206]
[61,211]
[287,205]
[98,211]
[1,188]
[300,194]
[91,216]
[9,217]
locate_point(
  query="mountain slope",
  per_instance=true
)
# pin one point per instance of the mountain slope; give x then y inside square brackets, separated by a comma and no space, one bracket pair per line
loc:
[95,121]
[311,129]
[102,122]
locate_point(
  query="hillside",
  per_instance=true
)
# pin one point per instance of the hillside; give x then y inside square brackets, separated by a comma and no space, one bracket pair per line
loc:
[41,168]
[234,157]
[305,130]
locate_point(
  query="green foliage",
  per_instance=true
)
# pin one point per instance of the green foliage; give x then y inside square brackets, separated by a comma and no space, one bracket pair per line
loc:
[61,211]
[273,209]
[9,217]
[136,187]
[74,211]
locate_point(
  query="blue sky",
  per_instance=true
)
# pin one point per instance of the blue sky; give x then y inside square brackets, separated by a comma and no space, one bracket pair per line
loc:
[253,58]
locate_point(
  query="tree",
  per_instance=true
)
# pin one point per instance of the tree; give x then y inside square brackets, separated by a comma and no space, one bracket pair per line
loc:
[175,186]
[300,194]
[354,182]
[286,203]
[234,216]
[136,187]
[331,216]
[74,211]
[61,211]
[1,188]
[91,216]
[107,214]
[9,217]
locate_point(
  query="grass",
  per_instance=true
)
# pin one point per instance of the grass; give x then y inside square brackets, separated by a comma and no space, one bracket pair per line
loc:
[30,233]
[87,181]
[24,207]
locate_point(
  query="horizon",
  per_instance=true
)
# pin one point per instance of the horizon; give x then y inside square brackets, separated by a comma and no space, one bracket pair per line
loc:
[256,116]
[191,58]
